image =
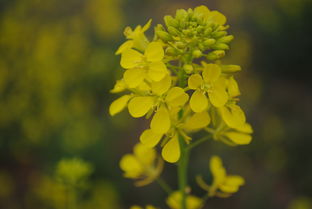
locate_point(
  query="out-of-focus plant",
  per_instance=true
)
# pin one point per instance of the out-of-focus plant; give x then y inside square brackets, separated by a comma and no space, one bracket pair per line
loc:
[178,80]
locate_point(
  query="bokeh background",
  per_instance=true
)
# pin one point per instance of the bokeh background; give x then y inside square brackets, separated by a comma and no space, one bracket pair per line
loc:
[57,65]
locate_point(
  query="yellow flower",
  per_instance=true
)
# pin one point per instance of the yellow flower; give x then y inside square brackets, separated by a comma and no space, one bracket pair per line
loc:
[223,185]
[139,207]
[137,38]
[209,82]
[143,165]
[213,16]
[241,135]
[174,201]
[140,66]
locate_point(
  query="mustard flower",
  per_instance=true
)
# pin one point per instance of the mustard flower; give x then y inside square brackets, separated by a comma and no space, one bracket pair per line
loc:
[139,207]
[174,200]
[143,165]
[139,66]
[223,185]
[211,83]
[137,38]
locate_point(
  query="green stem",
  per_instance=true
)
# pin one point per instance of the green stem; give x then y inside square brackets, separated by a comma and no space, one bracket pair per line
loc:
[182,171]
[198,142]
[164,185]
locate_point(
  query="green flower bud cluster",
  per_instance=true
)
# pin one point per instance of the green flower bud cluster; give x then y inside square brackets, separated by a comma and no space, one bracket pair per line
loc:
[196,32]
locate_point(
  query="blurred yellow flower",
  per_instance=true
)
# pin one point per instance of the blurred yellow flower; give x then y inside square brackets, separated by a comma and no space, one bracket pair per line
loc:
[143,165]
[223,185]
[174,201]
[139,207]
[73,171]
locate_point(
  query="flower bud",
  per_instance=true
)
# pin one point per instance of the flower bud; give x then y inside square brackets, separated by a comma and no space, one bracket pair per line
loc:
[218,34]
[220,46]
[173,31]
[217,54]
[188,68]
[171,51]
[180,45]
[181,14]
[170,21]
[163,35]
[230,68]
[226,39]
[197,53]
[209,42]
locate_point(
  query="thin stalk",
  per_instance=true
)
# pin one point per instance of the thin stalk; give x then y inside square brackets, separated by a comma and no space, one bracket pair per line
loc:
[198,142]
[164,185]
[182,171]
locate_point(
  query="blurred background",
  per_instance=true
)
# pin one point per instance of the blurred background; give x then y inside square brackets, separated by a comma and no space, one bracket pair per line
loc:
[57,65]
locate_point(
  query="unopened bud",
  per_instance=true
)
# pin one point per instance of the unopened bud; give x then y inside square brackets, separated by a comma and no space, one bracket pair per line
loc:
[220,46]
[218,34]
[230,68]
[180,14]
[197,53]
[173,31]
[170,21]
[163,35]
[209,42]
[171,51]
[180,45]
[226,39]
[217,54]
[188,68]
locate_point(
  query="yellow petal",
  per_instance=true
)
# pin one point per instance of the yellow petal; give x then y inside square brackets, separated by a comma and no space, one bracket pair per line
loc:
[144,154]
[171,151]
[217,170]
[233,88]
[198,101]
[195,81]
[157,71]
[134,77]
[147,25]
[130,58]
[136,207]
[150,138]
[162,86]
[125,46]
[154,52]
[118,105]
[238,138]
[245,128]
[139,106]
[130,166]
[202,10]
[218,96]
[176,97]
[211,72]
[217,17]
[233,116]
[160,123]
[119,86]
[197,121]
[232,184]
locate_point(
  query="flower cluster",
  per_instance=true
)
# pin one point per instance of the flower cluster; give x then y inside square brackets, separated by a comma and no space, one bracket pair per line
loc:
[168,79]
[177,80]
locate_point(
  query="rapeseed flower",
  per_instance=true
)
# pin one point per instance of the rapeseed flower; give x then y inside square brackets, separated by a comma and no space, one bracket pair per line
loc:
[223,185]
[192,202]
[137,38]
[139,66]
[209,82]
[143,165]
